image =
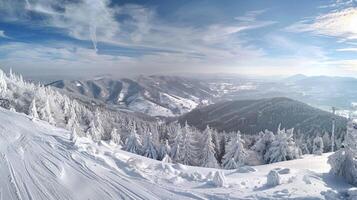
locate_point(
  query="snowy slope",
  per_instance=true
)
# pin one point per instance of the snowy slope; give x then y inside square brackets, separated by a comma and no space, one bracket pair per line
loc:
[39,161]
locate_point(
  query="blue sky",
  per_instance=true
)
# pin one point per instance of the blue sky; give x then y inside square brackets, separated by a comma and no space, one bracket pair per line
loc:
[123,38]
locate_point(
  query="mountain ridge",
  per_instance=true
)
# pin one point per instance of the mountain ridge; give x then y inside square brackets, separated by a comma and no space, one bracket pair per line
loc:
[253,116]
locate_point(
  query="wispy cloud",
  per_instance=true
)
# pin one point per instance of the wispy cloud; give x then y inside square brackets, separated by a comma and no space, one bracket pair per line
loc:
[140,27]
[348,49]
[168,46]
[340,24]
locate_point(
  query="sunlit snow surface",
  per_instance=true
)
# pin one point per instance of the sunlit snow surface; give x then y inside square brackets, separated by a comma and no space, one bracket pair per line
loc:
[39,161]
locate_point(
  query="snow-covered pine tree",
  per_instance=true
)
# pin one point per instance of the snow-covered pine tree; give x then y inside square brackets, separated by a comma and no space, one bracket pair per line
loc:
[33,109]
[318,145]
[3,84]
[73,135]
[282,148]
[93,132]
[235,153]
[133,142]
[216,142]
[343,162]
[208,158]
[72,120]
[222,146]
[46,113]
[164,149]
[99,130]
[187,154]
[326,138]
[263,142]
[175,147]
[66,107]
[149,149]
[116,138]
[302,144]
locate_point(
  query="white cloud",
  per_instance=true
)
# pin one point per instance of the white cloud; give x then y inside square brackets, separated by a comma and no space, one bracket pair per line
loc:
[84,20]
[171,47]
[96,21]
[69,60]
[348,49]
[340,24]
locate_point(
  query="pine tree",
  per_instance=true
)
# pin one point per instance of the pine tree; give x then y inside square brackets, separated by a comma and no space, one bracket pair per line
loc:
[72,122]
[350,141]
[208,158]
[302,144]
[73,135]
[215,140]
[33,110]
[187,154]
[230,164]
[133,142]
[96,130]
[3,84]
[222,146]
[149,148]
[326,142]
[175,147]
[282,148]
[164,149]
[343,162]
[116,138]
[264,141]
[235,153]
[318,145]
[46,113]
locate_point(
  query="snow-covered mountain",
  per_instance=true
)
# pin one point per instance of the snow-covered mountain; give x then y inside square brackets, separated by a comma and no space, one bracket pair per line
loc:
[252,116]
[152,95]
[39,161]
[174,95]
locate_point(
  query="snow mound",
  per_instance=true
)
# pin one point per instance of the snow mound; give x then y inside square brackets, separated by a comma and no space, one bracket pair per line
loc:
[245,169]
[136,163]
[273,178]
[219,179]
[284,171]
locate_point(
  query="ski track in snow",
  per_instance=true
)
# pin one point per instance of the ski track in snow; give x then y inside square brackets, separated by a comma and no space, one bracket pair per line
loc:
[39,161]
[37,165]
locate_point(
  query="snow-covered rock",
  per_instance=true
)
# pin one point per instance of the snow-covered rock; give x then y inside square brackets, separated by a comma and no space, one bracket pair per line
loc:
[273,178]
